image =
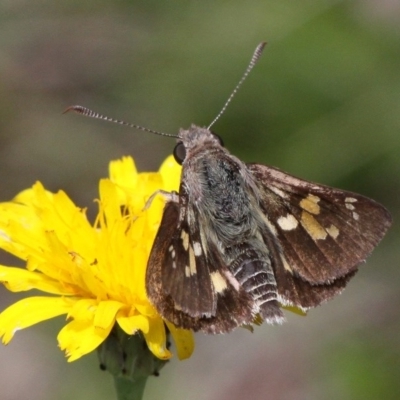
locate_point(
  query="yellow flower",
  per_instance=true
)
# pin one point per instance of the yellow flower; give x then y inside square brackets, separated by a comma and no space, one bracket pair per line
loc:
[93,273]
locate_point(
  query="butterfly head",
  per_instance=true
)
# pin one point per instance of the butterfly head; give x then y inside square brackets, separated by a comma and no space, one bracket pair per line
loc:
[193,139]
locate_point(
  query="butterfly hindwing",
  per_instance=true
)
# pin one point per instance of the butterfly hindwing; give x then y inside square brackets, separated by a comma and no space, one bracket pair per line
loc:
[319,234]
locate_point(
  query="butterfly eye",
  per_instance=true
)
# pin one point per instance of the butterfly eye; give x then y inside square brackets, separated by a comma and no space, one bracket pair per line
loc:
[220,141]
[179,153]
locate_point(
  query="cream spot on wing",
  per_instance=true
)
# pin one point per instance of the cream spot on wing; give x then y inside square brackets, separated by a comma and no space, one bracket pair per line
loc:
[218,282]
[173,254]
[312,226]
[333,231]
[310,204]
[197,249]
[286,264]
[350,206]
[288,223]
[173,264]
[350,200]
[185,239]
[356,216]
[269,225]
[192,261]
[279,192]
[187,271]
[170,248]
[203,240]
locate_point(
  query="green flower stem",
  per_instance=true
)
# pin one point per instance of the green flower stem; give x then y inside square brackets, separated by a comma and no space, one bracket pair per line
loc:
[128,390]
[129,360]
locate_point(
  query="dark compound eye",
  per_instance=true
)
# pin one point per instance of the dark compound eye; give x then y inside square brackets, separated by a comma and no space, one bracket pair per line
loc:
[221,142]
[179,153]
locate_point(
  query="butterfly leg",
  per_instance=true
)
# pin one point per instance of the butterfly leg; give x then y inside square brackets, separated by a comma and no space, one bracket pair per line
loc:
[168,196]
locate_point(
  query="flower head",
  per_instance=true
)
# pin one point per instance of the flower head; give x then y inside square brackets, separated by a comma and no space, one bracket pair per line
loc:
[95,274]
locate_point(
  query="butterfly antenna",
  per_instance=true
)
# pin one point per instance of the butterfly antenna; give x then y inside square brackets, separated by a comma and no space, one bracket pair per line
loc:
[256,56]
[92,114]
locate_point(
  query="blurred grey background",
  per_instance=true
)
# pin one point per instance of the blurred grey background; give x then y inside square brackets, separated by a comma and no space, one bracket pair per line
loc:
[323,103]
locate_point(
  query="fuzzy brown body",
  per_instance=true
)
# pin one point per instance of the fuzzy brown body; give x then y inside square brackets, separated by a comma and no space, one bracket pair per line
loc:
[242,239]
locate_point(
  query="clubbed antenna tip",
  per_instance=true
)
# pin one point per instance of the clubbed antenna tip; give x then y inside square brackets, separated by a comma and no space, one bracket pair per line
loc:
[87,112]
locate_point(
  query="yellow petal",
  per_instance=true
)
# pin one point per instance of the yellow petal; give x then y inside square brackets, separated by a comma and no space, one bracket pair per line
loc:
[184,341]
[30,196]
[148,183]
[156,339]
[106,313]
[109,203]
[170,172]
[19,280]
[134,323]
[19,226]
[295,310]
[29,311]
[146,309]
[123,172]
[83,310]
[124,175]
[80,337]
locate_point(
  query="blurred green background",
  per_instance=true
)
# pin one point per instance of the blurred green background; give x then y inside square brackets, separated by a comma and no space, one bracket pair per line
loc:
[323,103]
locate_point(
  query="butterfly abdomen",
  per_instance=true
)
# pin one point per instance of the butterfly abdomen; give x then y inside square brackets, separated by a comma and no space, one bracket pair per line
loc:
[251,267]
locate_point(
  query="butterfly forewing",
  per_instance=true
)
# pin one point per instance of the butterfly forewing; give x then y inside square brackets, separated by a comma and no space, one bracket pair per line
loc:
[323,233]
[184,276]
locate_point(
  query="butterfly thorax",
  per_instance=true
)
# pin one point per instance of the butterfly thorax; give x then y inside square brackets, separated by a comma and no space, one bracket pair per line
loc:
[218,187]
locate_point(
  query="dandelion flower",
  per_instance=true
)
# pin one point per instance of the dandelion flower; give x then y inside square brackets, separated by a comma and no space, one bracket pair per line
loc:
[93,273]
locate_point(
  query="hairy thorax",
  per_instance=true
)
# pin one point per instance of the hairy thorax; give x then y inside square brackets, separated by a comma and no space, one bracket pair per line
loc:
[221,197]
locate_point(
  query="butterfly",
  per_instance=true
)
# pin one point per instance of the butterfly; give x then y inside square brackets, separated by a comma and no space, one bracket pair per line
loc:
[238,241]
